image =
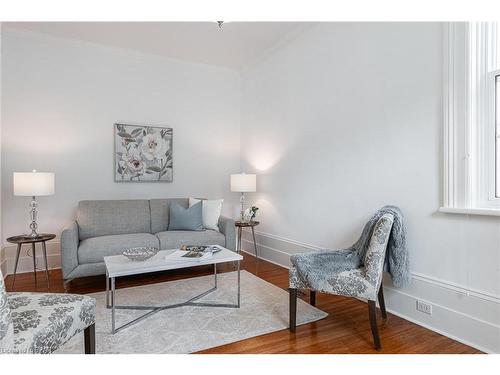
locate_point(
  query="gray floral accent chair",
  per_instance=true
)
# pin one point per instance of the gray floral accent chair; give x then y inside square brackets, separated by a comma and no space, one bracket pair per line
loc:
[364,282]
[39,323]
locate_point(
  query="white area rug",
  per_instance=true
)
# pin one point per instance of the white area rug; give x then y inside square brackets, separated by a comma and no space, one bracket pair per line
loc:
[264,309]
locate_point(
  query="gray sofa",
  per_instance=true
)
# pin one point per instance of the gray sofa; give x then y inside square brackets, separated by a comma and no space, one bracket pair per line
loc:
[107,227]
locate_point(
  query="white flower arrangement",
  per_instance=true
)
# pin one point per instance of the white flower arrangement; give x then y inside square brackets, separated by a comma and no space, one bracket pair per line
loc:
[251,213]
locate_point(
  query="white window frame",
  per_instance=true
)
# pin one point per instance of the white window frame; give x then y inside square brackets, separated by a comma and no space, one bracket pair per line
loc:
[495,132]
[492,137]
[469,120]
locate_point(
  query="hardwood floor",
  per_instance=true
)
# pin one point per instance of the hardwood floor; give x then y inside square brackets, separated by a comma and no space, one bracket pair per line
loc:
[345,330]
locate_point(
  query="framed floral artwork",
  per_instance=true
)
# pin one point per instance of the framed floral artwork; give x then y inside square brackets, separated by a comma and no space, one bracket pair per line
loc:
[143,153]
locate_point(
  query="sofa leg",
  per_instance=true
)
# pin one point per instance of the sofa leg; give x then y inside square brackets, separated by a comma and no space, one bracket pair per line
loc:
[89,339]
[293,308]
[372,313]
[312,298]
[66,285]
[382,302]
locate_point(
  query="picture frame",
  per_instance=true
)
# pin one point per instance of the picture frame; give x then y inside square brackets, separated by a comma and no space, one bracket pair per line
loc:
[143,153]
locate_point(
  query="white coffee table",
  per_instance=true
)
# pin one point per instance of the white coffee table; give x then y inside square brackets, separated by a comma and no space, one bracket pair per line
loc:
[119,265]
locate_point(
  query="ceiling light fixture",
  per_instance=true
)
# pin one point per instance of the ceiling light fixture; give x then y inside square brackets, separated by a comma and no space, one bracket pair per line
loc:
[220,24]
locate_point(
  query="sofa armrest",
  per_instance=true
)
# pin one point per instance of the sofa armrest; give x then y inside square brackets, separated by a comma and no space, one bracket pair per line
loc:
[227,228]
[69,249]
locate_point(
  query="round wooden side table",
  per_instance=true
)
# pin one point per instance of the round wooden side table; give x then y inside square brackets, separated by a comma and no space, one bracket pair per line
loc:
[246,224]
[24,239]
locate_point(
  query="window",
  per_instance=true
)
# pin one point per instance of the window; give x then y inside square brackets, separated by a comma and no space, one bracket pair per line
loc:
[497,132]
[472,115]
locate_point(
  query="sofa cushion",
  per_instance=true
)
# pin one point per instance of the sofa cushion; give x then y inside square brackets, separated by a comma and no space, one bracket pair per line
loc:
[160,212]
[93,250]
[174,239]
[109,217]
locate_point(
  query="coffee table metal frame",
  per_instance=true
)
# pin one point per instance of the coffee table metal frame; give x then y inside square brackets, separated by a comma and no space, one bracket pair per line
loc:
[111,300]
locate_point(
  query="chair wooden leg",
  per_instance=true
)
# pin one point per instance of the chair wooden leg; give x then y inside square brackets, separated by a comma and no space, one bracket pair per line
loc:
[293,309]
[381,301]
[89,339]
[312,298]
[372,312]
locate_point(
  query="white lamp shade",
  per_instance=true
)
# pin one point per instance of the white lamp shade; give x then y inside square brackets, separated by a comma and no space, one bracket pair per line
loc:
[243,183]
[33,184]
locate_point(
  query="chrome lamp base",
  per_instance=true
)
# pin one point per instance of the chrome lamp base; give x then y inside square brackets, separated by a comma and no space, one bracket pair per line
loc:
[33,213]
[242,210]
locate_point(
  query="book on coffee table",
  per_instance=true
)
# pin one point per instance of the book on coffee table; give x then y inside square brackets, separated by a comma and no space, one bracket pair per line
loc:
[192,253]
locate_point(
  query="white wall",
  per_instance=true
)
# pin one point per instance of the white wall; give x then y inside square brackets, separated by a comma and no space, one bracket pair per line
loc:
[60,99]
[348,118]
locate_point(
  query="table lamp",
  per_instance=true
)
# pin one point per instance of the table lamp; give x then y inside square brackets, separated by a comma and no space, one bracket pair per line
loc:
[243,183]
[33,184]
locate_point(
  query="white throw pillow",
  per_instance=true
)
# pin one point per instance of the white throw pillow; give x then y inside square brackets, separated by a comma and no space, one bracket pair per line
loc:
[211,210]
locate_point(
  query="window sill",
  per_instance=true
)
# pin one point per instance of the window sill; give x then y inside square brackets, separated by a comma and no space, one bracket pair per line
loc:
[470,211]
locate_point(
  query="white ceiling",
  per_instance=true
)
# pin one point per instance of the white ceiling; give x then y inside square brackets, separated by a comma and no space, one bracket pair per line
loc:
[236,45]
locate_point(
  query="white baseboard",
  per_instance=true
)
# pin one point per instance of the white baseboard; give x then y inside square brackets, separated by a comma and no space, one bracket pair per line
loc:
[8,258]
[454,324]
[469,316]
[267,260]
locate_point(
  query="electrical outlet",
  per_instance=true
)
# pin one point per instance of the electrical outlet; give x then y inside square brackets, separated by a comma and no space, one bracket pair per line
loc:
[424,307]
